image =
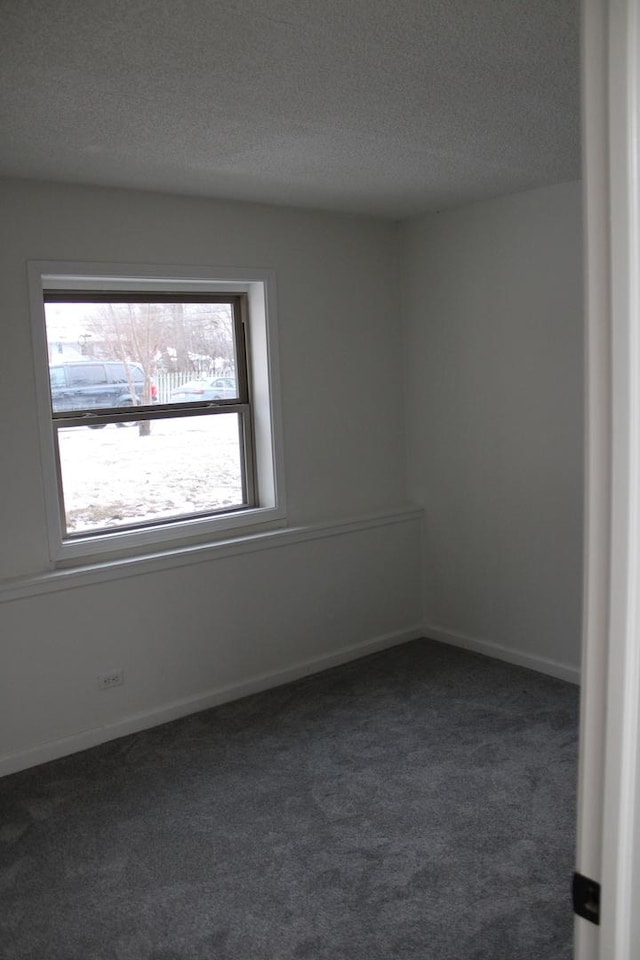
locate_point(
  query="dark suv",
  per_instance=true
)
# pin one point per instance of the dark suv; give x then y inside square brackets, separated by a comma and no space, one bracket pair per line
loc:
[85,384]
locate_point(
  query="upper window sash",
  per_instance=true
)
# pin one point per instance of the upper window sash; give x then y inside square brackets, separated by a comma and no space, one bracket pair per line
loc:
[238,305]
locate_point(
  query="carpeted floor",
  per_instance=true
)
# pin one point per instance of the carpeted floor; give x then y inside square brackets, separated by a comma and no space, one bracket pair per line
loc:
[414,805]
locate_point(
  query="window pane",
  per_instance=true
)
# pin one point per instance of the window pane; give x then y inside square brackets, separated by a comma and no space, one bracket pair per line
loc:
[115,477]
[147,351]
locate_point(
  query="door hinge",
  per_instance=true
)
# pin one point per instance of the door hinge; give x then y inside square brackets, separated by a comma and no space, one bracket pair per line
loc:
[586,898]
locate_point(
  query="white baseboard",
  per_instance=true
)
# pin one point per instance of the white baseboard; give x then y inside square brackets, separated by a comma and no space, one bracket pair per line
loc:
[212,698]
[203,701]
[553,668]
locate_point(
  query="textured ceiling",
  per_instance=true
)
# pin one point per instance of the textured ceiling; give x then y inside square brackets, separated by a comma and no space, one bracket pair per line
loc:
[391,107]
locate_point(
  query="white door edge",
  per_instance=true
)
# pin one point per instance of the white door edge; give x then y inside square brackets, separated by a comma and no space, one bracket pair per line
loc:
[608,824]
[620,824]
[597,460]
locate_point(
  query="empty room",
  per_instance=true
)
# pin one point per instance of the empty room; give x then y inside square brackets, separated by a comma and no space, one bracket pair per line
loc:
[290,658]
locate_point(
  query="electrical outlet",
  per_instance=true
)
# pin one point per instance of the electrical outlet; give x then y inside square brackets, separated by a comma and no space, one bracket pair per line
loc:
[112,679]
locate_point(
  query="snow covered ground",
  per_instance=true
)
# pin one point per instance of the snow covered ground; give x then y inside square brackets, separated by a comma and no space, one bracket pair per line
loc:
[114,477]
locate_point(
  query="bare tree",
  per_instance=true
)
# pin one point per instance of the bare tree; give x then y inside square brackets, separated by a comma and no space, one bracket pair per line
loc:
[128,332]
[182,337]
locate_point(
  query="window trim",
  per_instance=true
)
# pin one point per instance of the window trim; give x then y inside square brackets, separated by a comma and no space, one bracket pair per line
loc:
[258,286]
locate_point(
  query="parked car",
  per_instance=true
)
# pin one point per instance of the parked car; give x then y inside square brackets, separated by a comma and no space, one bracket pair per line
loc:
[219,388]
[89,384]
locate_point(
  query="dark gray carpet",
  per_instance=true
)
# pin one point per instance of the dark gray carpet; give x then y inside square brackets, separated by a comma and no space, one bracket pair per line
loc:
[414,805]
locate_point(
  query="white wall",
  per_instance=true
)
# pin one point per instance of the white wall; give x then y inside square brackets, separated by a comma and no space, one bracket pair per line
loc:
[493,391]
[339,335]
[192,636]
[494,369]
[184,635]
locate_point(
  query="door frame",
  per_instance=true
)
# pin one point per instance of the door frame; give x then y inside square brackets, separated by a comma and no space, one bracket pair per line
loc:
[608,847]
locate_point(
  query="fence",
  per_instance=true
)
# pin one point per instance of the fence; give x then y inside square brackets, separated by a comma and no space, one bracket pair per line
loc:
[166,381]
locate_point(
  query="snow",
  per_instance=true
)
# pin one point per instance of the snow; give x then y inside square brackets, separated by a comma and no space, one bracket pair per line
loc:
[114,477]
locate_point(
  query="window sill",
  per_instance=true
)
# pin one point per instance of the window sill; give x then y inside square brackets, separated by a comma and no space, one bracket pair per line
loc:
[68,578]
[167,537]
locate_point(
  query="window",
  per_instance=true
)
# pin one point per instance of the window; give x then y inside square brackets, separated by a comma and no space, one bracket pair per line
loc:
[194,361]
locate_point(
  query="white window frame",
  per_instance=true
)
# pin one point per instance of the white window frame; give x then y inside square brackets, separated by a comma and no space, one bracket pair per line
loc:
[262,359]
